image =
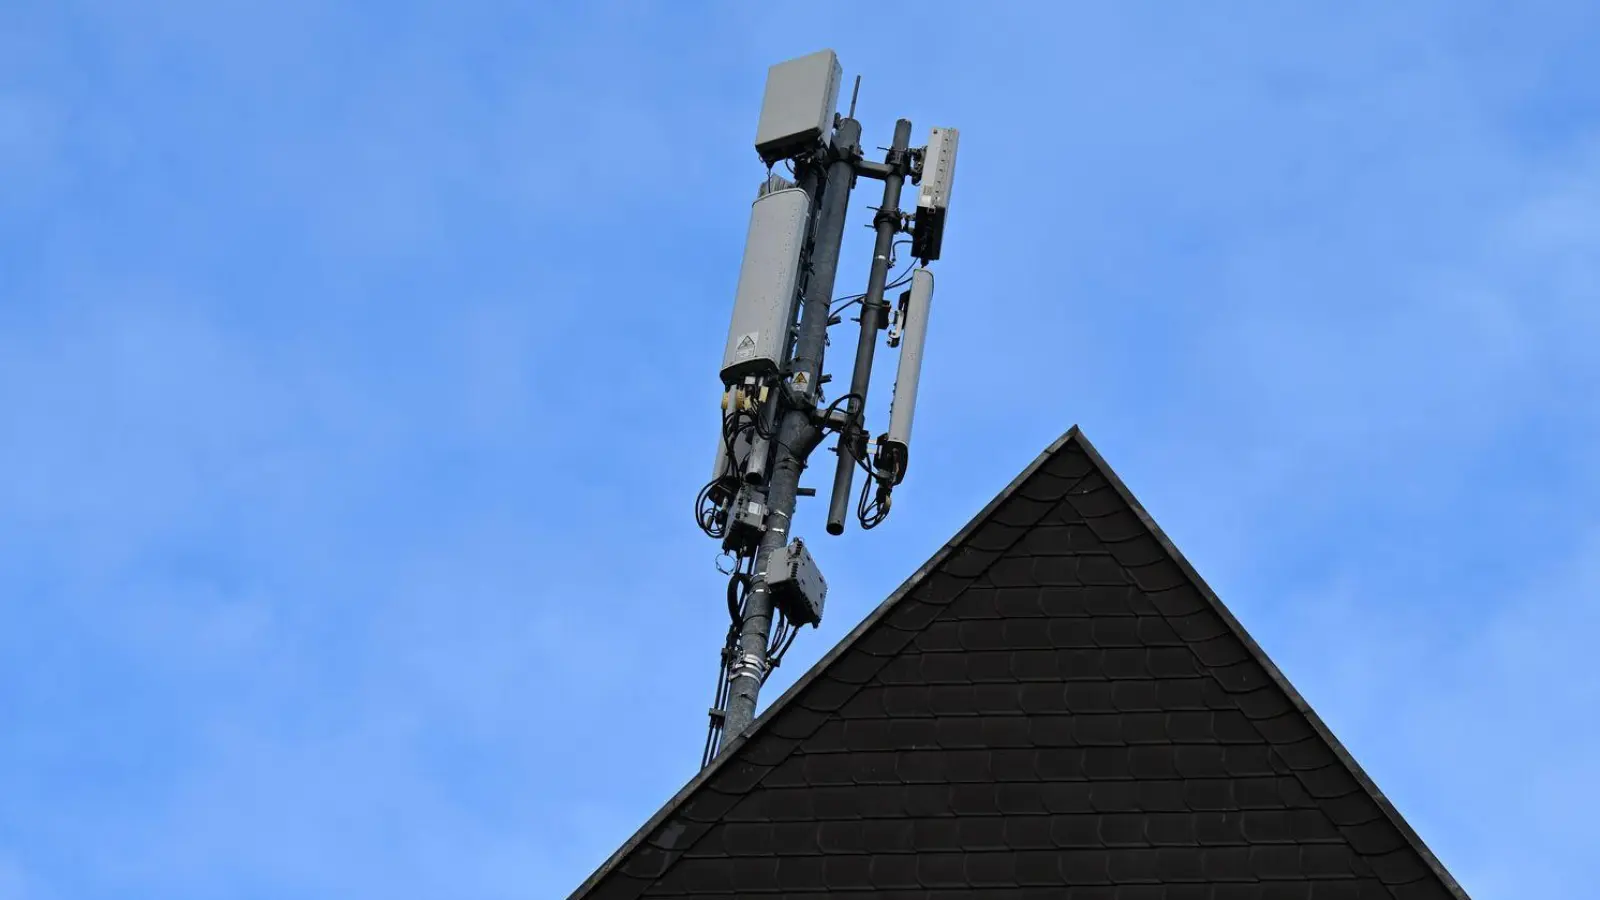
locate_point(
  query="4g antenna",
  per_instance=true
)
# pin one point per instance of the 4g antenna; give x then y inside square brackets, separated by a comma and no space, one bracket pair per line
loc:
[774,411]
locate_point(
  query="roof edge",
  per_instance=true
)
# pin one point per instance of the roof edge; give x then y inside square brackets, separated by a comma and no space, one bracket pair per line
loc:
[729,750]
[1259,655]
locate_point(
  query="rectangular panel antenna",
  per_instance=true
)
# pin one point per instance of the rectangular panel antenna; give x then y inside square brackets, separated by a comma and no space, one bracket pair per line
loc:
[938,174]
[798,106]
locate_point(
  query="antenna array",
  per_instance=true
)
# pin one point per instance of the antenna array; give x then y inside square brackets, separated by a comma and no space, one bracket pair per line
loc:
[775,411]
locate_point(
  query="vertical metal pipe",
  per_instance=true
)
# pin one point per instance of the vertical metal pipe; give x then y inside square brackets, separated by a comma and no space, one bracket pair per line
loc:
[797,435]
[873,309]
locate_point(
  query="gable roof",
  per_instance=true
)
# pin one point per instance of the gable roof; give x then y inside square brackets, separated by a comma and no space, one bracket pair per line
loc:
[1056,698]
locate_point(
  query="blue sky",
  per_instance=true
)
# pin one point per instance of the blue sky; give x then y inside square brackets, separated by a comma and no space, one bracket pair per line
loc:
[359,368]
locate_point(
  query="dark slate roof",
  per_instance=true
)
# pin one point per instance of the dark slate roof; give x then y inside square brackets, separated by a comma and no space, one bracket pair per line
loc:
[1056,699]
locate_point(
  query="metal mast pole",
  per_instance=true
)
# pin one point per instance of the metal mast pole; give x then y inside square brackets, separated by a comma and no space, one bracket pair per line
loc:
[887,222]
[798,434]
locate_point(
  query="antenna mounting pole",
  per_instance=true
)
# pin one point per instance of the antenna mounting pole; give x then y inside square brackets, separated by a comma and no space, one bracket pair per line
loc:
[874,316]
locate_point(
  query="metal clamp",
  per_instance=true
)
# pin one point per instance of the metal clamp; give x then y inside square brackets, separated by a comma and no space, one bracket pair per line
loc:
[750,665]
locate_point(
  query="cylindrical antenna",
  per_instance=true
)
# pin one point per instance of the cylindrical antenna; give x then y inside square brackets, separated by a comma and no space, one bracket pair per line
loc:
[887,223]
[853,93]
[914,336]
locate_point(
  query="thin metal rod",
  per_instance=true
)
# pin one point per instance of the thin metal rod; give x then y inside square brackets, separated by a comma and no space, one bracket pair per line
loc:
[854,92]
[887,223]
[797,434]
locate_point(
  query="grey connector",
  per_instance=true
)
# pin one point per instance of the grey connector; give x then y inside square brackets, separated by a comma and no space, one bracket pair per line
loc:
[797,108]
[797,586]
[938,175]
[896,444]
[747,520]
[763,305]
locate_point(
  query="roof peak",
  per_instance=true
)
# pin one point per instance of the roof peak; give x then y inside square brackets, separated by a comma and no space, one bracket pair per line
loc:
[1061,594]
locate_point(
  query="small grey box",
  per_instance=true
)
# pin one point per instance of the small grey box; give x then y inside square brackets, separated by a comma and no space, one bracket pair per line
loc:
[763,304]
[797,586]
[798,106]
[747,519]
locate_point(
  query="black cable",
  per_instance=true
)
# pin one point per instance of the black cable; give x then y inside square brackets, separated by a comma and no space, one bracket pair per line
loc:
[705,512]
[738,590]
[833,407]
[872,514]
[897,281]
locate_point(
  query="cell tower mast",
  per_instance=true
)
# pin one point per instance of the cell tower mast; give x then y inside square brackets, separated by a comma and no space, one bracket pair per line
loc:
[774,409]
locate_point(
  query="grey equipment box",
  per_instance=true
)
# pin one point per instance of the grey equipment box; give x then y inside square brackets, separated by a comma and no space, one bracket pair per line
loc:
[763,306]
[798,106]
[796,583]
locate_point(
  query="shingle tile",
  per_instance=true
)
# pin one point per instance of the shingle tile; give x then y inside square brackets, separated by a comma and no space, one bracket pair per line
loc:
[983,833]
[1095,498]
[889,835]
[1026,634]
[1101,570]
[1137,551]
[993,666]
[902,669]
[1117,525]
[1372,838]
[1053,571]
[1135,696]
[1118,632]
[1213,829]
[936,834]
[752,874]
[847,873]
[836,837]
[1154,762]
[941,587]
[1241,677]
[1166,795]
[1024,511]
[1170,829]
[1197,626]
[1075,831]
[894,871]
[1229,726]
[1248,760]
[956,732]
[935,870]
[1036,868]
[1160,576]
[1263,703]
[1132,866]
[1284,728]
[1223,650]
[1227,864]
[1086,867]
[1019,799]
[1018,603]
[1106,763]
[1172,602]
[1114,796]
[1028,832]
